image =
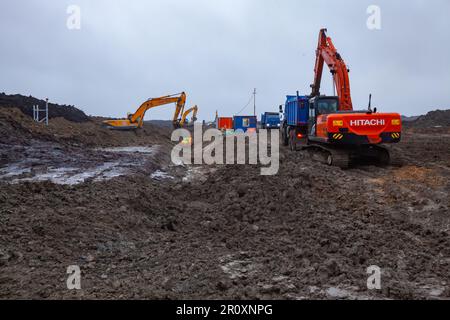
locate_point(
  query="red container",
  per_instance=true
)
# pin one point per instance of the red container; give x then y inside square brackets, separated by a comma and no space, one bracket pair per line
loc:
[224,123]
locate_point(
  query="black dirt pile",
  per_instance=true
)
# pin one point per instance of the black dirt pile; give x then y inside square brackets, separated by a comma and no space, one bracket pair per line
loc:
[433,119]
[409,119]
[25,104]
[309,232]
[18,128]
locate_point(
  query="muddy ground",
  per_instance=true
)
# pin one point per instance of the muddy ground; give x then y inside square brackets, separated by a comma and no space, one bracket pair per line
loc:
[142,228]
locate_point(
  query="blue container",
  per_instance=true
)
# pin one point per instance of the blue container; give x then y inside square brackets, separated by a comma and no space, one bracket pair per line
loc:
[270,120]
[245,123]
[297,110]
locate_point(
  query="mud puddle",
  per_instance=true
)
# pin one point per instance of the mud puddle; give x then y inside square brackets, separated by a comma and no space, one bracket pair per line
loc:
[73,166]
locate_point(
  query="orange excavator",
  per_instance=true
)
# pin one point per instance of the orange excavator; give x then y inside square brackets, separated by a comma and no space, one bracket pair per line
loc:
[136,120]
[182,122]
[329,124]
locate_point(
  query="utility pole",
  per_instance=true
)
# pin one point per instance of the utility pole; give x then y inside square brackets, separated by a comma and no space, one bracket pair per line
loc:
[46,112]
[254,102]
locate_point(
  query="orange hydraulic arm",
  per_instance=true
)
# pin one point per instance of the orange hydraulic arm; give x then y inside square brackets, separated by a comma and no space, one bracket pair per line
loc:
[179,99]
[327,53]
[186,113]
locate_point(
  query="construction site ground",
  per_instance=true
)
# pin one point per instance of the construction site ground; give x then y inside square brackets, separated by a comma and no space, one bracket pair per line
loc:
[141,228]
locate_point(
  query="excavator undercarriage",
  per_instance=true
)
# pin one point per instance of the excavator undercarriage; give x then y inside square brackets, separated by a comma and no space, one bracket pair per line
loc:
[343,157]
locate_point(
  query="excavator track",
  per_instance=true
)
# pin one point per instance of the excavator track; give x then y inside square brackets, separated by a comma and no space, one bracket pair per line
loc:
[338,158]
[330,156]
[386,157]
[378,155]
[344,157]
[382,155]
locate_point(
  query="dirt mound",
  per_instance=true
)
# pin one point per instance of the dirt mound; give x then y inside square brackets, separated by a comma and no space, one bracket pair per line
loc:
[26,104]
[409,119]
[161,123]
[438,118]
[18,128]
[139,227]
[309,232]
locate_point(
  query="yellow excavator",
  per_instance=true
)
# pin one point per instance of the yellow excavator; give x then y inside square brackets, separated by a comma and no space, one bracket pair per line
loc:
[182,122]
[136,120]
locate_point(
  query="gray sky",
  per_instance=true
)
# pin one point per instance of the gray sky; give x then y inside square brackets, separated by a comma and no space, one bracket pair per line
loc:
[219,50]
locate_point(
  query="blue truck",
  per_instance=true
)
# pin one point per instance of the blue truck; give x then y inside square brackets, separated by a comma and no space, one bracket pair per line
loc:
[245,123]
[294,126]
[270,120]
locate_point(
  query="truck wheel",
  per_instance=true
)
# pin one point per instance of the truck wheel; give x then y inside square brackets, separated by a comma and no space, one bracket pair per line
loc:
[284,137]
[292,141]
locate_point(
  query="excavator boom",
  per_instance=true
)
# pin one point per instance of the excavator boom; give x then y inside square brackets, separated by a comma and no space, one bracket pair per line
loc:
[327,53]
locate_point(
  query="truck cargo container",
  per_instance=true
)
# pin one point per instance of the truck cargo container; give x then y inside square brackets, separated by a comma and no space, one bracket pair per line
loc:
[245,123]
[295,119]
[297,110]
[224,123]
[270,120]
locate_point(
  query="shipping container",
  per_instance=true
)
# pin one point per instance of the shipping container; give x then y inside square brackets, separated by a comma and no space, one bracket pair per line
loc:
[297,110]
[224,123]
[245,123]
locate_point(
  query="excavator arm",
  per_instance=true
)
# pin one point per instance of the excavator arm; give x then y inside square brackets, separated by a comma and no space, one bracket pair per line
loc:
[179,109]
[327,53]
[186,113]
[136,120]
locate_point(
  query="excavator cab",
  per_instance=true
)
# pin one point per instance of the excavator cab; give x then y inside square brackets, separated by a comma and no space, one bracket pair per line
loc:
[327,105]
[319,108]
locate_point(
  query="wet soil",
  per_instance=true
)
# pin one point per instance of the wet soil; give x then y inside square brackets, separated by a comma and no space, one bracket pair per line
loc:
[158,231]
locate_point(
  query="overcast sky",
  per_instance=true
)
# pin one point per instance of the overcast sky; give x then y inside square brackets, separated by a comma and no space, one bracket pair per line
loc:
[219,50]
